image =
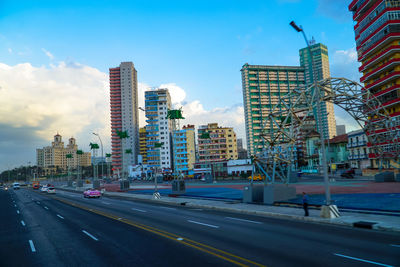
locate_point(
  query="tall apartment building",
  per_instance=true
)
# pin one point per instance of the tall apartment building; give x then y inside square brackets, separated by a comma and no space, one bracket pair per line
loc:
[158,128]
[221,144]
[377,35]
[124,115]
[56,155]
[262,88]
[321,63]
[185,149]
[142,144]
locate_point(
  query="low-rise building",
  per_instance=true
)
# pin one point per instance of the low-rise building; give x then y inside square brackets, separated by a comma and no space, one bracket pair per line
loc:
[358,150]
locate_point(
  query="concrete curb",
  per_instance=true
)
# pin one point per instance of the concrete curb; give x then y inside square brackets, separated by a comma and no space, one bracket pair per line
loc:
[178,202]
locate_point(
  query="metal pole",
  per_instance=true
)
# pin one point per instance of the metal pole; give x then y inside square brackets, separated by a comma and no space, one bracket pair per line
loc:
[319,119]
[102,155]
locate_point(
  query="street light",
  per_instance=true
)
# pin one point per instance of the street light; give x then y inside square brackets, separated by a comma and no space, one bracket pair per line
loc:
[101,143]
[319,115]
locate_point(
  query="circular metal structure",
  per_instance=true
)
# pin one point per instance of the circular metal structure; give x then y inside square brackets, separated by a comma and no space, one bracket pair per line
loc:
[292,114]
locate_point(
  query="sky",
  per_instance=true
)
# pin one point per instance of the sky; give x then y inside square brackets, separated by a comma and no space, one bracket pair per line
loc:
[55,56]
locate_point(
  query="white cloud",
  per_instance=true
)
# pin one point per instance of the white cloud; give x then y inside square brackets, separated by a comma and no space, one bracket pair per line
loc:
[48,54]
[73,101]
[345,56]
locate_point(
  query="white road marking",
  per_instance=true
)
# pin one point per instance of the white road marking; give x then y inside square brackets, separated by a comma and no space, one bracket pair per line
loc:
[205,224]
[38,202]
[138,210]
[94,238]
[15,205]
[167,208]
[23,223]
[46,207]
[32,246]
[120,218]
[107,203]
[358,259]
[243,220]
[59,216]
[179,238]
[196,209]
[397,246]
[18,211]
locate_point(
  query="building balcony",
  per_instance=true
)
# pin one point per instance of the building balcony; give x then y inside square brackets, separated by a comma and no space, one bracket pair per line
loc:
[392,76]
[380,57]
[380,40]
[388,65]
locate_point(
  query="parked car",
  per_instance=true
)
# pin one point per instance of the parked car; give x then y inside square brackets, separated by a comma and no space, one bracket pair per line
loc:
[257,177]
[348,174]
[51,190]
[91,193]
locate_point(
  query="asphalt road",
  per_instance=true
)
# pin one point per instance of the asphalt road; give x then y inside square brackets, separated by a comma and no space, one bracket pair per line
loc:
[67,230]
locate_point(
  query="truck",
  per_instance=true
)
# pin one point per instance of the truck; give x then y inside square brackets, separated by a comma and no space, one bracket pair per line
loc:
[35,184]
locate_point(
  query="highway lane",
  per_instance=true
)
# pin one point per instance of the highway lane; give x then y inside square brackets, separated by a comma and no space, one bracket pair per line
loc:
[57,234]
[263,240]
[269,241]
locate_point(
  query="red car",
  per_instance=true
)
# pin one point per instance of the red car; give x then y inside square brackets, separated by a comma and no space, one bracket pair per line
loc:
[91,193]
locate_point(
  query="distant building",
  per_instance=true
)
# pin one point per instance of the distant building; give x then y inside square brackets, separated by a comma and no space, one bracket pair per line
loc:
[321,64]
[240,167]
[158,128]
[55,156]
[142,144]
[262,88]
[185,149]
[220,143]
[358,150]
[336,149]
[124,115]
[340,129]
[242,153]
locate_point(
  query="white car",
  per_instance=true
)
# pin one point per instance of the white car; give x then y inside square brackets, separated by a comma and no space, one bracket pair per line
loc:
[51,190]
[15,185]
[43,189]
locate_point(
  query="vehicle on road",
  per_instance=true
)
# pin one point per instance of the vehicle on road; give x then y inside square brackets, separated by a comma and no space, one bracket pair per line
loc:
[43,189]
[257,177]
[35,184]
[51,190]
[348,174]
[92,193]
[16,186]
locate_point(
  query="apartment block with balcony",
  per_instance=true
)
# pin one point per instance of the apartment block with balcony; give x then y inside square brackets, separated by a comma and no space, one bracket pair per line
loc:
[142,144]
[262,87]
[377,35]
[216,143]
[358,149]
[124,115]
[158,129]
[185,150]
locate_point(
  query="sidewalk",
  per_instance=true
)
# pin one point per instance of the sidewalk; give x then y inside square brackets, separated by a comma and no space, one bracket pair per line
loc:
[380,222]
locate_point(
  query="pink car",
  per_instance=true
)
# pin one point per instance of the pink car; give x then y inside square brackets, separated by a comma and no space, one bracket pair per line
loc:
[91,193]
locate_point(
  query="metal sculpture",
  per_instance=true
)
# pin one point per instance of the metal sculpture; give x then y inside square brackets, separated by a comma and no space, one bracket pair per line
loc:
[287,120]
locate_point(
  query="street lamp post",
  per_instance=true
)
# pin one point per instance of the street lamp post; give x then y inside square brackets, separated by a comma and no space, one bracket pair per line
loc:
[317,93]
[102,155]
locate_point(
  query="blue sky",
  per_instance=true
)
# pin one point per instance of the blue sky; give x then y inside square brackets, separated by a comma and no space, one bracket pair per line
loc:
[199,46]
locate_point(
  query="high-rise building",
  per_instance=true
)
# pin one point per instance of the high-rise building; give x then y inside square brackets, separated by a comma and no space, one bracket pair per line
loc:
[321,64]
[340,129]
[124,115]
[185,150]
[158,128]
[262,88]
[55,156]
[216,143]
[242,153]
[142,144]
[377,35]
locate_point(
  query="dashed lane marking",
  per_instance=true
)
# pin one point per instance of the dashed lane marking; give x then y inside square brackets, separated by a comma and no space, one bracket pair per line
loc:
[23,223]
[138,210]
[91,236]
[205,224]
[59,216]
[358,259]
[17,211]
[32,246]
[243,220]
